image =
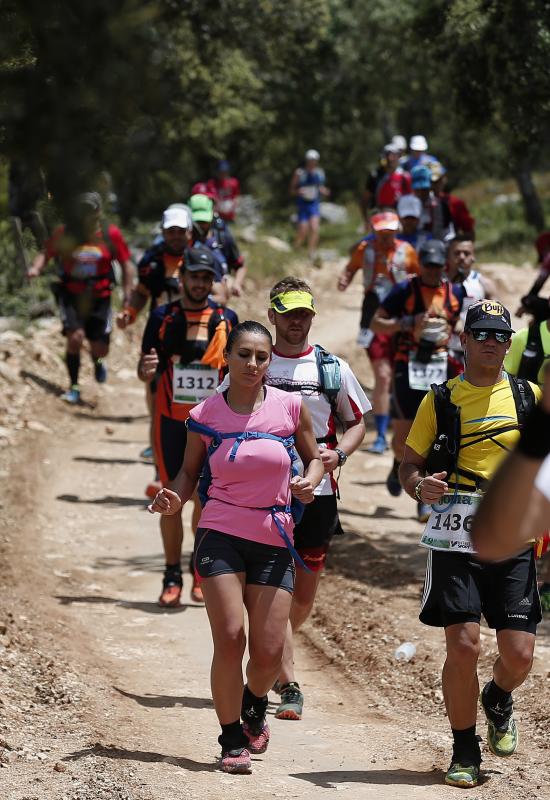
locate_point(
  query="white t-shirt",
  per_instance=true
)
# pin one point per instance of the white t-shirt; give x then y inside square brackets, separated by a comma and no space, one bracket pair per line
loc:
[474,286]
[475,291]
[542,481]
[300,375]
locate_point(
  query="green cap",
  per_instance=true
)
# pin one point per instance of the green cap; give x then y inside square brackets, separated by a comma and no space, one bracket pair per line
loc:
[202,208]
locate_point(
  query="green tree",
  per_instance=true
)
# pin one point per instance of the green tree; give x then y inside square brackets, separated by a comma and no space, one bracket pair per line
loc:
[496,55]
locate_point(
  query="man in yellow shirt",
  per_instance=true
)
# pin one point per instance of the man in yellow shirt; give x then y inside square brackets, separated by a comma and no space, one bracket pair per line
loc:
[479,413]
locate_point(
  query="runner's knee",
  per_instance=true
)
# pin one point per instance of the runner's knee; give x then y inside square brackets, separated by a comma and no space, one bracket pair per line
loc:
[463,649]
[230,644]
[518,657]
[267,653]
[75,340]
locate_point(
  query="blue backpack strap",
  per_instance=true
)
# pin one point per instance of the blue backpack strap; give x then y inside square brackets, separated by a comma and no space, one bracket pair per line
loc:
[296,508]
[285,537]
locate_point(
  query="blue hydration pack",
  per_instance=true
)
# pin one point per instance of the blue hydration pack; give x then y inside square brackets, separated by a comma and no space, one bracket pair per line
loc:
[295,507]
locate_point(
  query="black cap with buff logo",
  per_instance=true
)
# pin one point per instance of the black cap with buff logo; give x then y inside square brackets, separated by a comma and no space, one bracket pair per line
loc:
[488,315]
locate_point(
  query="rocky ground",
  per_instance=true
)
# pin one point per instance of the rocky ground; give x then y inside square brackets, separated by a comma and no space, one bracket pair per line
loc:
[104,698]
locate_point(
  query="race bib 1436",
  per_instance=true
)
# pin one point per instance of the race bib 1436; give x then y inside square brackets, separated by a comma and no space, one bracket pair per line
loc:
[450,523]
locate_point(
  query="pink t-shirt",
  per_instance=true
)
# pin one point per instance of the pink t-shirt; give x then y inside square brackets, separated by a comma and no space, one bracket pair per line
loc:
[259,476]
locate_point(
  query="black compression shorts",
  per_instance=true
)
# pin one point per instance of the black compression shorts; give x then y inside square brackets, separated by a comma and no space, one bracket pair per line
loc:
[170,437]
[459,588]
[219,553]
[92,314]
[313,533]
[404,400]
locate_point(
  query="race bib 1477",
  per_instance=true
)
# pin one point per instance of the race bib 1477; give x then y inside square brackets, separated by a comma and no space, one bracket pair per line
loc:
[421,376]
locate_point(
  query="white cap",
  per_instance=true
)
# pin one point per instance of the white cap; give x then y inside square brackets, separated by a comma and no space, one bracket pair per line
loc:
[312,155]
[391,148]
[409,206]
[399,141]
[177,216]
[418,143]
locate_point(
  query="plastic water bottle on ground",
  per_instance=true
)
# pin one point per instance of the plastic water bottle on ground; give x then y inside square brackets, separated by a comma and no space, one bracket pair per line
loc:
[405,651]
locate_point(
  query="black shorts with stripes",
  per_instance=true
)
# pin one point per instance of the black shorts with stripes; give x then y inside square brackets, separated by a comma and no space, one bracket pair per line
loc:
[460,588]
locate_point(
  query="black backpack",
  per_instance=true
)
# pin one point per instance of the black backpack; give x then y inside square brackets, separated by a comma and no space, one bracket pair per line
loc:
[443,456]
[533,356]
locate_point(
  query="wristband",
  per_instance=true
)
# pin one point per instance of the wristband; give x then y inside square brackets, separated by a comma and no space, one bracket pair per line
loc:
[132,313]
[418,490]
[534,440]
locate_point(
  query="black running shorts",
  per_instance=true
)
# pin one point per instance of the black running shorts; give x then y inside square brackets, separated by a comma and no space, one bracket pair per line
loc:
[219,553]
[170,440]
[459,588]
[92,314]
[404,400]
[313,533]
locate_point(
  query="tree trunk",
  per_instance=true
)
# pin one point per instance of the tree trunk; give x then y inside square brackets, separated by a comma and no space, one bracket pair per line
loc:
[532,206]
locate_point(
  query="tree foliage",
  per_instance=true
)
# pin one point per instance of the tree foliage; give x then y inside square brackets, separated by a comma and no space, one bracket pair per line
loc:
[156,90]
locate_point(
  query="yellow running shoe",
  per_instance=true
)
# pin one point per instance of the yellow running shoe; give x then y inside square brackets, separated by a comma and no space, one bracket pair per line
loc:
[463,776]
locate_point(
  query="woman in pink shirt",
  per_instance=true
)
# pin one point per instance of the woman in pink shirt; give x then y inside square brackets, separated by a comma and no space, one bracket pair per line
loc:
[244,540]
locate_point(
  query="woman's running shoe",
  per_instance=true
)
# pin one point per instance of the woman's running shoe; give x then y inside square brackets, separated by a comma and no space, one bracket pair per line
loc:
[258,736]
[292,702]
[236,761]
[461,775]
[72,395]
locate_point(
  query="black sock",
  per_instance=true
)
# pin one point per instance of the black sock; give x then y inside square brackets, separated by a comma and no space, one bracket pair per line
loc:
[172,574]
[497,703]
[232,736]
[466,746]
[253,708]
[73,367]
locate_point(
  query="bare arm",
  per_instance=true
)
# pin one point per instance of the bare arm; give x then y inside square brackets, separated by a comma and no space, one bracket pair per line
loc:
[350,441]
[129,313]
[238,285]
[128,277]
[345,278]
[220,293]
[37,265]
[413,471]
[383,323]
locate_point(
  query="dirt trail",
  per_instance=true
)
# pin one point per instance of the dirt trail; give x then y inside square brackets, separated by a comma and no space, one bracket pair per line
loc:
[114,693]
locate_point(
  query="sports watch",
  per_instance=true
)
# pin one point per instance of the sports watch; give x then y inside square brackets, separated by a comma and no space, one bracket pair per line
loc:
[342,457]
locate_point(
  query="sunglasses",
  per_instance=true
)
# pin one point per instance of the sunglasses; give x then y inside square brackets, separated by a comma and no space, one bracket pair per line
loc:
[501,336]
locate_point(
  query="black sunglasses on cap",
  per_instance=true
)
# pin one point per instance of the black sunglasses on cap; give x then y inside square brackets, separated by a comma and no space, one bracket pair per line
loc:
[501,336]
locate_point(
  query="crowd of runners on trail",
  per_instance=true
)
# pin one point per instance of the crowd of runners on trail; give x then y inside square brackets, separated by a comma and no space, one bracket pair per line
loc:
[255,431]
